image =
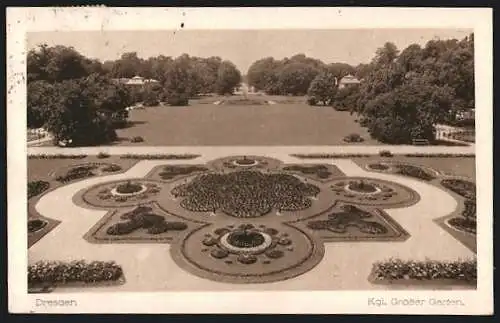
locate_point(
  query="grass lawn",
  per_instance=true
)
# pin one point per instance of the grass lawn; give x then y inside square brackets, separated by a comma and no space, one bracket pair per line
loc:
[453,166]
[202,124]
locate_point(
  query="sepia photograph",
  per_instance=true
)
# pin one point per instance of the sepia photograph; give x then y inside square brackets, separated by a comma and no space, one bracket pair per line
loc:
[253,160]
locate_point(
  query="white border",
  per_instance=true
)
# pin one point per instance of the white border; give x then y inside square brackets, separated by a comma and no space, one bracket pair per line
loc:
[22,20]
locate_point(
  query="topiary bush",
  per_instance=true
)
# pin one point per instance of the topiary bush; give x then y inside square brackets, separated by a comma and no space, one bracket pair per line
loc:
[37,187]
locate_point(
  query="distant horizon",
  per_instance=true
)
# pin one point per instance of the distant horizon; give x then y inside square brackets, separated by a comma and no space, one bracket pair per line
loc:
[243,47]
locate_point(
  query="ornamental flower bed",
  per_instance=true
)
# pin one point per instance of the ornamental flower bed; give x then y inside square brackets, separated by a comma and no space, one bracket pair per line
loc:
[414,171]
[57,272]
[461,187]
[397,270]
[37,187]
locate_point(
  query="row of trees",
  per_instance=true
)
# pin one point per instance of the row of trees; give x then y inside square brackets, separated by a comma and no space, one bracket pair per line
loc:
[292,76]
[80,100]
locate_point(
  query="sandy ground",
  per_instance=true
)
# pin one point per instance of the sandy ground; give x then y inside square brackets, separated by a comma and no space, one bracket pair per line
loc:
[149,267]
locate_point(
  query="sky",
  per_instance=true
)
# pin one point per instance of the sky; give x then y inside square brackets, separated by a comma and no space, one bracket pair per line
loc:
[242,47]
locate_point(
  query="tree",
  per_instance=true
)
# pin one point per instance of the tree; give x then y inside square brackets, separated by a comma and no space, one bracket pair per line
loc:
[262,73]
[40,99]
[228,77]
[295,78]
[323,88]
[56,64]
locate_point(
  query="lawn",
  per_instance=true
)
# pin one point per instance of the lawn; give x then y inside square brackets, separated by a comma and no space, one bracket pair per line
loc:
[202,124]
[457,166]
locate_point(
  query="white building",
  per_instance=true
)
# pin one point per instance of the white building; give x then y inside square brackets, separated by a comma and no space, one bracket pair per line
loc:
[139,80]
[348,80]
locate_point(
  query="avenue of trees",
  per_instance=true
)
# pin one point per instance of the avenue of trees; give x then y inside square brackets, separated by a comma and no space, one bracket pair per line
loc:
[79,100]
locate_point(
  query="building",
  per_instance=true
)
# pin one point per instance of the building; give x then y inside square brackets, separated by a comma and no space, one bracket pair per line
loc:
[136,81]
[348,80]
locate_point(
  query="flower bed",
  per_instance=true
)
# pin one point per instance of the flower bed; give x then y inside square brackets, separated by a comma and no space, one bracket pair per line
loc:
[378,166]
[461,187]
[57,272]
[143,217]
[414,171]
[78,172]
[397,269]
[111,168]
[36,225]
[353,137]
[37,187]
[170,172]
[463,224]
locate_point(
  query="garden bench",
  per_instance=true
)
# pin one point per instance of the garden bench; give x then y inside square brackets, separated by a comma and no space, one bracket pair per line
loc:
[420,142]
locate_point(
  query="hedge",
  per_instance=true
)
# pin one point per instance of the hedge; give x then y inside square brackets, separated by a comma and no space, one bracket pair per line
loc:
[442,155]
[57,156]
[325,156]
[159,156]
[75,271]
[397,269]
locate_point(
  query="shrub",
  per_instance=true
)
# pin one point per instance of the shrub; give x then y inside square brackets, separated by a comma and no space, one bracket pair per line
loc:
[312,101]
[77,173]
[385,153]
[396,269]
[178,100]
[137,139]
[37,187]
[76,271]
[353,137]
[102,155]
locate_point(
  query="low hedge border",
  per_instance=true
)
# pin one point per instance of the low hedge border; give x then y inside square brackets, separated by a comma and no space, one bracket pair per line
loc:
[159,156]
[381,154]
[80,271]
[394,270]
[56,156]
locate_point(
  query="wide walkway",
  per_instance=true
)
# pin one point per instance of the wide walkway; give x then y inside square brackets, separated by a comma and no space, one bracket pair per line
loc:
[149,267]
[211,151]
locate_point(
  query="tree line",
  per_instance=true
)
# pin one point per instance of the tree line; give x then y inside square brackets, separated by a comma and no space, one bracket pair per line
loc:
[402,96]
[79,99]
